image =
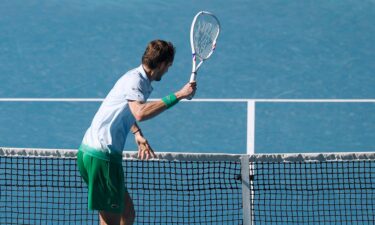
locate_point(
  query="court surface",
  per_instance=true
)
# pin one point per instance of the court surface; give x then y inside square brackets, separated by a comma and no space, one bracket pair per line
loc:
[267,50]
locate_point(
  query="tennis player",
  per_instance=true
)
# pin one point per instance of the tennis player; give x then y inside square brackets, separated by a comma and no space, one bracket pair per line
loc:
[100,154]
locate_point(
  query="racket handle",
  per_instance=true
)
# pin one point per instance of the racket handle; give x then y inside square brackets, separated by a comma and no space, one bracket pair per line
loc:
[192,79]
[193,76]
[190,97]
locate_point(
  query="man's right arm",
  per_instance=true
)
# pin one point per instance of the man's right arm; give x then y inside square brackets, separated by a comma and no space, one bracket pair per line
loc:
[147,110]
[143,111]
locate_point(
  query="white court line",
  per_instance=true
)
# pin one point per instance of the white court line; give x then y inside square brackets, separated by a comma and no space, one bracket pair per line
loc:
[251,103]
[196,100]
[51,99]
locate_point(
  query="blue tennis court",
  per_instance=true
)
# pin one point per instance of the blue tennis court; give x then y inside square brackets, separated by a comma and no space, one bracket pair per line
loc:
[267,50]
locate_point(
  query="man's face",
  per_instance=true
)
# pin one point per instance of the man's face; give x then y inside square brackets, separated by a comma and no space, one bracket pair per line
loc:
[163,69]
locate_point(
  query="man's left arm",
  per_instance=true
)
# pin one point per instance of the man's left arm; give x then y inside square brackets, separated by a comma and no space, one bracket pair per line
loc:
[144,149]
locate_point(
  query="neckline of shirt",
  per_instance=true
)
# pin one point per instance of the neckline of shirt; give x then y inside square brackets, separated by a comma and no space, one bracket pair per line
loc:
[143,73]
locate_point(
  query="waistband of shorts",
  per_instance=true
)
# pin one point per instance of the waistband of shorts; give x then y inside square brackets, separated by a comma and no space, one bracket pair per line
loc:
[101,154]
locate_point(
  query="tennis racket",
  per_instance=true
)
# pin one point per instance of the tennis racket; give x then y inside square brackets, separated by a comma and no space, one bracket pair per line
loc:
[204,32]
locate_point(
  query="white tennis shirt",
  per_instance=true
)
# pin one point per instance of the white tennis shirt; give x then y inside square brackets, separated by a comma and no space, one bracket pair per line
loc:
[112,122]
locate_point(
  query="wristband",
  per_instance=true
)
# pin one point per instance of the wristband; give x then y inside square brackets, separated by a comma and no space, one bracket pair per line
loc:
[170,100]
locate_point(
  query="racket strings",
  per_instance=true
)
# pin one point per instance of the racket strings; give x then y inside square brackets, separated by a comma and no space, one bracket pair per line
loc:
[206,30]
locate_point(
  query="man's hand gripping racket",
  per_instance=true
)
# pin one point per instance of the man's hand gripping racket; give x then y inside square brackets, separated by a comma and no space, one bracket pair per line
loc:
[204,32]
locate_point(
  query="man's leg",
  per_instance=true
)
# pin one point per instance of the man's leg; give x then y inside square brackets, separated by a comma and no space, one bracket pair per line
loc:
[126,218]
[128,215]
[109,218]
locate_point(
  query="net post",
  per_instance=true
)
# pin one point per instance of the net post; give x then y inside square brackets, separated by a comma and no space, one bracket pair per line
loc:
[250,139]
[246,196]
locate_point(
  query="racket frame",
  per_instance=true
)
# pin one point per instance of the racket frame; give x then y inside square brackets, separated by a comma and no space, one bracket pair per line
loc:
[196,67]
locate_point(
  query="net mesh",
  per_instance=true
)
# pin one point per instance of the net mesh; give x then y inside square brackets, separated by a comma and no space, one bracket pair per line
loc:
[313,192]
[49,190]
[205,32]
[45,188]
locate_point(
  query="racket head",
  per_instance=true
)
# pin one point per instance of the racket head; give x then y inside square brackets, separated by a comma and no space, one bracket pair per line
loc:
[204,31]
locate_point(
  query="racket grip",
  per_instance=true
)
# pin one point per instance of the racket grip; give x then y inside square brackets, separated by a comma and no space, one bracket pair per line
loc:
[193,76]
[190,97]
[192,79]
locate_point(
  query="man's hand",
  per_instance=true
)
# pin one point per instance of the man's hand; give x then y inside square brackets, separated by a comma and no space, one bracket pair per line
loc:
[188,91]
[144,149]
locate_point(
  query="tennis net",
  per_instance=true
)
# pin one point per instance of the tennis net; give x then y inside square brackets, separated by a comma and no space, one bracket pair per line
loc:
[313,188]
[44,187]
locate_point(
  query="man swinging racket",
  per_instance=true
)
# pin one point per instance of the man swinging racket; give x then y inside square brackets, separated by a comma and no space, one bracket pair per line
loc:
[100,154]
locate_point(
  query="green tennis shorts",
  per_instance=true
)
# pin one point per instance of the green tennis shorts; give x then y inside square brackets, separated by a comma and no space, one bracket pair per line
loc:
[104,176]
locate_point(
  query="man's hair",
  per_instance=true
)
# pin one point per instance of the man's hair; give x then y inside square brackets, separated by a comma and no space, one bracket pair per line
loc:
[157,52]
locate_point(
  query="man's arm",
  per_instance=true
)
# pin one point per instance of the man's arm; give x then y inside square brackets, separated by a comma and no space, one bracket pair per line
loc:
[143,111]
[135,128]
[147,110]
[144,149]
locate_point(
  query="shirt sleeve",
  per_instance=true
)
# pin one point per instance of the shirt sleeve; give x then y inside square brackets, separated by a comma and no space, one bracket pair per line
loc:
[134,93]
[133,89]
